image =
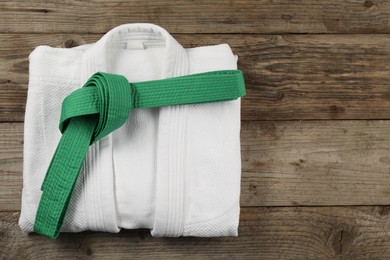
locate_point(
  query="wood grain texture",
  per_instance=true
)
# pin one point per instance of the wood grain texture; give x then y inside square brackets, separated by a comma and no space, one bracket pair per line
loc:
[284,163]
[181,16]
[315,163]
[265,233]
[11,166]
[288,77]
[303,182]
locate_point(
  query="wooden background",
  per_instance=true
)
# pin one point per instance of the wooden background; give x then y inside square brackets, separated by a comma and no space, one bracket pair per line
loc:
[315,129]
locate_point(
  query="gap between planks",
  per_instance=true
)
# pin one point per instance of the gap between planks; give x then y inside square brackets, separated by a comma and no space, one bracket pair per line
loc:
[253,16]
[272,233]
[293,77]
[284,163]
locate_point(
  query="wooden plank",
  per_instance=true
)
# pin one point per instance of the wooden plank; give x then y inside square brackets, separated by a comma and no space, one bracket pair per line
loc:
[315,163]
[11,166]
[284,163]
[180,16]
[288,77]
[266,233]
[317,77]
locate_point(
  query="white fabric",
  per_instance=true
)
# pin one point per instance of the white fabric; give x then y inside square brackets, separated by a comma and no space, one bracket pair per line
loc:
[175,170]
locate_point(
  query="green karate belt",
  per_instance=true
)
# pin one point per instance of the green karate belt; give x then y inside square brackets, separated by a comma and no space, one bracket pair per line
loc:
[102,105]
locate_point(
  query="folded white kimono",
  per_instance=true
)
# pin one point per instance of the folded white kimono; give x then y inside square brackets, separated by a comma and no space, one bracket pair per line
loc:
[175,170]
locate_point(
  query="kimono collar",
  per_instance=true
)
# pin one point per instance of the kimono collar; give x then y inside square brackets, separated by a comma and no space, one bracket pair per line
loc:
[102,55]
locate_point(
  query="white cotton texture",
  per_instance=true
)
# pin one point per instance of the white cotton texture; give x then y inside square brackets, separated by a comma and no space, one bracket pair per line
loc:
[175,170]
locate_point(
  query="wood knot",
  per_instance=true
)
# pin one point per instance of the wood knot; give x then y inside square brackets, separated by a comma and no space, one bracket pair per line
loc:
[336,109]
[384,210]
[368,4]
[280,95]
[73,42]
[298,164]
[70,43]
